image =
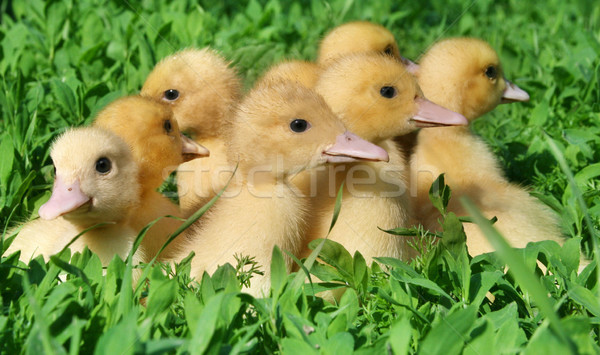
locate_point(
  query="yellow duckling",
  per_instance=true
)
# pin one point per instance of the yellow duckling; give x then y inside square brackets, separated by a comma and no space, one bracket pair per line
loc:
[278,130]
[378,99]
[303,72]
[360,37]
[201,88]
[96,182]
[158,147]
[465,75]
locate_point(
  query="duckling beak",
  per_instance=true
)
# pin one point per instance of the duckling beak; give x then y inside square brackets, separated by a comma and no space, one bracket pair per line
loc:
[432,115]
[513,93]
[65,198]
[349,147]
[411,66]
[192,150]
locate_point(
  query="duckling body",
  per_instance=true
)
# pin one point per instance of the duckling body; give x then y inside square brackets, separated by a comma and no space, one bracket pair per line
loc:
[158,147]
[465,75]
[278,130]
[376,97]
[201,87]
[92,168]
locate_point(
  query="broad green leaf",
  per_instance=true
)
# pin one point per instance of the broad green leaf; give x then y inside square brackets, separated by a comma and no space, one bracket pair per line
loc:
[120,339]
[341,343]
[400,335]
[6,161]
[546,341]
[207,325]
[361,273]
[335,255]
[278,272]
[482,340]
[585,297]
[449,335]
[193,311]
[570,254]
[454,237]
[64,95]
[439,194]
[297,347]
[162,294]
[481,284]
[428,284]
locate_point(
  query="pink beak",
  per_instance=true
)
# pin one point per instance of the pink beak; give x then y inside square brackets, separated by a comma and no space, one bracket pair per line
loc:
[65,198]
[433,115]
[189,147]
[349,147]
[513,93]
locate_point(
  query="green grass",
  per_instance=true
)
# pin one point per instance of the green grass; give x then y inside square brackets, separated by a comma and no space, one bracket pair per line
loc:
[62,61]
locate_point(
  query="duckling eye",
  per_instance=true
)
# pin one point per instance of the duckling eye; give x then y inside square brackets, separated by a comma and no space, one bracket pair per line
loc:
[389,50]
[491,72]
[168,126]
[388,92]
[103,165]
[171,94]
[299,125]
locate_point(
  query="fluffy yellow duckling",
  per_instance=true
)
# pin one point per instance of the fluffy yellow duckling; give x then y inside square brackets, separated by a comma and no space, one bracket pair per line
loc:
[376,97]
[201,88]
[96,181]
[158,147]
[465,75]
[360,37]
[303,72]
[278,130]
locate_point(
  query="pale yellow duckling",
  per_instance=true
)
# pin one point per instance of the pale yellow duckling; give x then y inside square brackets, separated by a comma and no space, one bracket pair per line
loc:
[376,97]
[96,182]
[201,88]
[465,75]
[158,147]
[360,37]
[278,130]
[303,72]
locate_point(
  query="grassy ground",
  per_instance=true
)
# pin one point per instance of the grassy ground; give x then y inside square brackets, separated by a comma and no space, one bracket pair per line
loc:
[63,60]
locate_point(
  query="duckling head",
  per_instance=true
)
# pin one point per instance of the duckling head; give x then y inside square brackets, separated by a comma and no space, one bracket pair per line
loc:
[360,37]
[377,98]
[466,76]
[96,177]
[153,135]
[200,86]
[290,128]
[302,72]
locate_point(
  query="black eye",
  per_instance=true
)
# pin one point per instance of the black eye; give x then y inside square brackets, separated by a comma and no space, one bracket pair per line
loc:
[491,72]
[389,50]
[299,125]
[171,94]
[103,165]
[168,126]
[388,92]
